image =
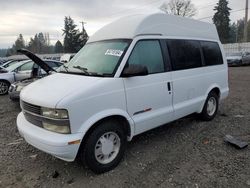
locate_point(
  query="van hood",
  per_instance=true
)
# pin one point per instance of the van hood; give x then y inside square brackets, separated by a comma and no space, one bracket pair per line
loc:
[49,90]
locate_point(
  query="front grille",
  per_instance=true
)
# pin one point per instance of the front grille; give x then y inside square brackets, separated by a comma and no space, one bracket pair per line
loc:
[31,108]
[33,119]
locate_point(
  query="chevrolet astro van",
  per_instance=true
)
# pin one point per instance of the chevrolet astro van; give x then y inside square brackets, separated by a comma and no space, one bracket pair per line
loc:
[133,75]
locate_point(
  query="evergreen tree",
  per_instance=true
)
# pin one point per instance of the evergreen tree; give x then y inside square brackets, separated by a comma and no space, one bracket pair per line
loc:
[3,52]
[83,37]
[58,47]
[233,33]
[19,43]
[73,40]
[240,30]
[222,21]
[39,44]
[34,45]
[9,52]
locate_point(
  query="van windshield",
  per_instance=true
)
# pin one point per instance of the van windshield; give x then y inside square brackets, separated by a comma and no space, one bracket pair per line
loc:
[97,59]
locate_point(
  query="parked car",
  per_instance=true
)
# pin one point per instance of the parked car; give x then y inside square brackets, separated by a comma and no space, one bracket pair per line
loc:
[2,61]
[37,73]
[15,72]
[246,58]
[66,58]
[133,75]
[11,62]
[238,58]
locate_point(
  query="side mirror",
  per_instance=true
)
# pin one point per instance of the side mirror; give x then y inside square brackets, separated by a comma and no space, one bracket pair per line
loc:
[135,70]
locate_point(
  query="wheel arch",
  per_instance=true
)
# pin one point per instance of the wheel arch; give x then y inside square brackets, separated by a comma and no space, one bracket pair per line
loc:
[216,89]
[128,124]
[118,115]
[6,81]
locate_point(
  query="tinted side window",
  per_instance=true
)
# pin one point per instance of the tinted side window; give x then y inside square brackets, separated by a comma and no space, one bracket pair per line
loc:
[184,54]
[148,53]
[212,53]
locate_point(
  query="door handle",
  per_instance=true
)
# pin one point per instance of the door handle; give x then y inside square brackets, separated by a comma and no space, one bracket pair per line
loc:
[169,88]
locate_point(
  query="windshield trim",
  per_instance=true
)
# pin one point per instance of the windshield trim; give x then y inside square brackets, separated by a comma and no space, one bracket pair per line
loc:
[122,56]
[129,41]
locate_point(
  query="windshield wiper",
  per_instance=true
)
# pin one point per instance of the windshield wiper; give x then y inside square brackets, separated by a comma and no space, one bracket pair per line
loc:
[83,69]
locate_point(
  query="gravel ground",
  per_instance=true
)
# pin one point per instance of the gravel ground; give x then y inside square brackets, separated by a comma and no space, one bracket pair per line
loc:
[186,153]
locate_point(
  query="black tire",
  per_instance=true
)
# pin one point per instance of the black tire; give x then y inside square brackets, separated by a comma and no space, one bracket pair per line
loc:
[4,87]
[87,150]
[205,115]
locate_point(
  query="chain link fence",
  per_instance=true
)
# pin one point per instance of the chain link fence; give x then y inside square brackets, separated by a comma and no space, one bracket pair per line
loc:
[237,47]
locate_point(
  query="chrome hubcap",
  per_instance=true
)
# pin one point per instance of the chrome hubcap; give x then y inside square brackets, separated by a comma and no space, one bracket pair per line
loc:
[107,147]
[211,106]
[3,87]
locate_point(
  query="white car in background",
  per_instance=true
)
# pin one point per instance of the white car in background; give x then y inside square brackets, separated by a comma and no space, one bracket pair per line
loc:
[238,58]
[15,72]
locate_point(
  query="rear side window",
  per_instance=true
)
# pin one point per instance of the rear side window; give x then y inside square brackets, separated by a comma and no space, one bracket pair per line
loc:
[184,54]
[26,66]
[211,53]
[148,53]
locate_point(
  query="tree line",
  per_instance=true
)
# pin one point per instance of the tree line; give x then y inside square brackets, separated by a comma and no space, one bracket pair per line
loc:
[74,40]
[228,32]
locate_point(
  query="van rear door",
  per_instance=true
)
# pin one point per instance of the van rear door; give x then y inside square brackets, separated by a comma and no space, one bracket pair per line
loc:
[187,76]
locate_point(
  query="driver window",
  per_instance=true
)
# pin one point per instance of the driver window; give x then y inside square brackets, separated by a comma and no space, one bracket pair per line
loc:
[148,53]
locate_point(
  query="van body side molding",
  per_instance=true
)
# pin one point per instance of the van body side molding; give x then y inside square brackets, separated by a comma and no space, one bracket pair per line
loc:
[142,111]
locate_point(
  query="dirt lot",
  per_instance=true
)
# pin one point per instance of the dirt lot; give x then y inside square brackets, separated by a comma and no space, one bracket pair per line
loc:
[186,153]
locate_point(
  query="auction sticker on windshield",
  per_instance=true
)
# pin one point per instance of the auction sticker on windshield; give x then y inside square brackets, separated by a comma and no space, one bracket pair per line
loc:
[114,52]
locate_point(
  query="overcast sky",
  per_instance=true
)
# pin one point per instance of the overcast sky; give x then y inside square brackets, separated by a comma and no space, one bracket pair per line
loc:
[32,16]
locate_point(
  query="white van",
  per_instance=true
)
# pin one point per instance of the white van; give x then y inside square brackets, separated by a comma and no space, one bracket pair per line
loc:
[133,75]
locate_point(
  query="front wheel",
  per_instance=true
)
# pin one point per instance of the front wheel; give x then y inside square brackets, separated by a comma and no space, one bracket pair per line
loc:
[210,107]
[4,87]
[104,147]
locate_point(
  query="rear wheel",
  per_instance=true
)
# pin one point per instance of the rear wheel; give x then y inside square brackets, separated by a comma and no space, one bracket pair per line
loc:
[4,87]
[104,147]
[210,107]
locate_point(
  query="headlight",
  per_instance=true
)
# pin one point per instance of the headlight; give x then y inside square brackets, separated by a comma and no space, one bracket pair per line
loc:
[55,113]
[19,88]
[64,129]
[12,88]
[58,120]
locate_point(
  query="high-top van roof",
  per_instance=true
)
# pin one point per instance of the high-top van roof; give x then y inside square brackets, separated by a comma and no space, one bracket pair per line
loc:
[156,24]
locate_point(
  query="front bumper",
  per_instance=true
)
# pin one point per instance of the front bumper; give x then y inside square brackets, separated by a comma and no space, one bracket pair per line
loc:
[53,143]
